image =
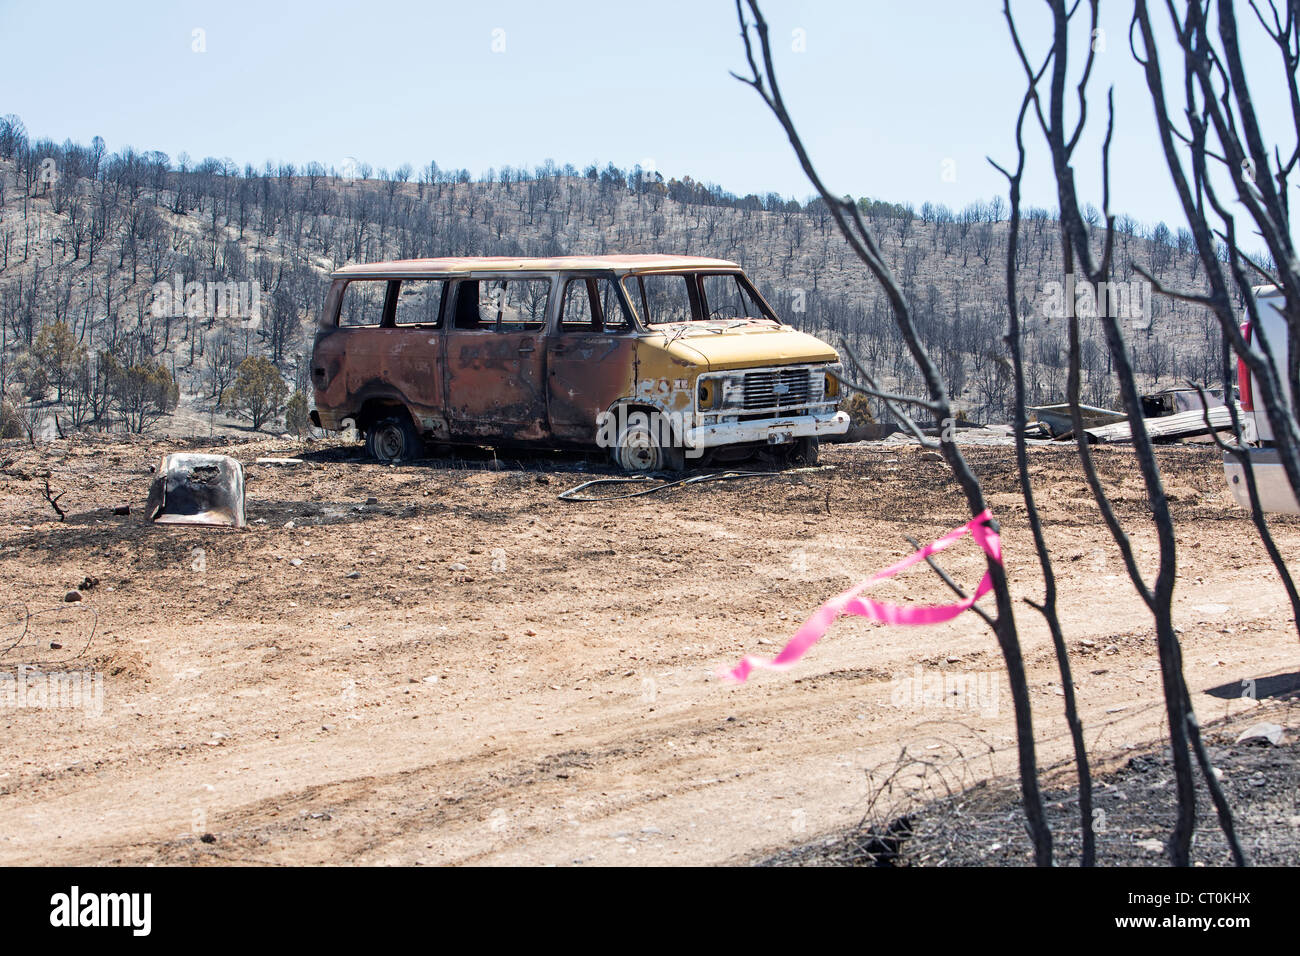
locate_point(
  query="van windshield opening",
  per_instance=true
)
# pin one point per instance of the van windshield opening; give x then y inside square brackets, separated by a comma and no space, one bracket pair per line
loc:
[664,298]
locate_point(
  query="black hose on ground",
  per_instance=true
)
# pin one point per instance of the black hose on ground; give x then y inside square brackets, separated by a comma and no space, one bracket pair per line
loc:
[572,494]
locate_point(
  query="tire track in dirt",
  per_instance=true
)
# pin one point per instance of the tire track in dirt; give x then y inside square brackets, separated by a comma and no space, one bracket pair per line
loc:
[501,714]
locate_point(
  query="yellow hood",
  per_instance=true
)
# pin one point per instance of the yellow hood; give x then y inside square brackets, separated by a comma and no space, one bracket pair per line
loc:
[724,345]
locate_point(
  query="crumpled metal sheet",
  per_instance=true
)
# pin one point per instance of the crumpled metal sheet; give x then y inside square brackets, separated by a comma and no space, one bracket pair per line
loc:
[198,489]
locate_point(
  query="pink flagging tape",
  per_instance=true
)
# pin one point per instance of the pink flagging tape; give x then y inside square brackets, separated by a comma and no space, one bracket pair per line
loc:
[851,603]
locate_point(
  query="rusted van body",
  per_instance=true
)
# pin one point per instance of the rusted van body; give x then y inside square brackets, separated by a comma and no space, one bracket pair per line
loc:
[566,352]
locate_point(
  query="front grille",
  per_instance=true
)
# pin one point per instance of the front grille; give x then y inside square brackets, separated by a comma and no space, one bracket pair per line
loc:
[779,388]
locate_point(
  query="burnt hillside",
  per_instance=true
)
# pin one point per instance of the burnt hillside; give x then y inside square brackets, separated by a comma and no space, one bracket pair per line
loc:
[87,237]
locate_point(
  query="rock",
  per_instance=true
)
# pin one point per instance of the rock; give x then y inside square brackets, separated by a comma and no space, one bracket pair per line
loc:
[88,582]
[931,456]
[1151,846]
[353,575]
[122,510]
[208,838]
[288,524]
[1265,733]
[295,561]
[458,567]
[72,596]
[372,501]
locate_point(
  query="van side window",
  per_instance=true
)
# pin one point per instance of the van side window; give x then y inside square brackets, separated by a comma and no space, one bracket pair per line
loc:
[419,302]
[363,303]
[466,314]
[726,298]
[592,305]
[613,316]
[515,305]
[661,298]
[576,313]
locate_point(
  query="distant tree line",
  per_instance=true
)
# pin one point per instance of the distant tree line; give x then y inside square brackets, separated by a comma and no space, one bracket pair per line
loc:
[87,238]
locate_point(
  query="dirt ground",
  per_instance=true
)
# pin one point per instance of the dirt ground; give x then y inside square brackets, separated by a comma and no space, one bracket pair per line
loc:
[919,818]
[441,663]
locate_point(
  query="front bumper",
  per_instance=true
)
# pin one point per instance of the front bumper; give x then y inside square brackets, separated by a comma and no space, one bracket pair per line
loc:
[769,430]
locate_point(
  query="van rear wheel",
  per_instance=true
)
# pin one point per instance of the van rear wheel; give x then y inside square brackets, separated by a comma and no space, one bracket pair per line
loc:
[394,439]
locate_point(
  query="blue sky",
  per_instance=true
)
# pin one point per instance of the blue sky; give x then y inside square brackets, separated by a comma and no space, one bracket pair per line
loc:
[896,100]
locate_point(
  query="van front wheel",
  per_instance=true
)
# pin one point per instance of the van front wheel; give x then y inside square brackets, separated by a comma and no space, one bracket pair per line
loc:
[640,448]
[394,439]
[805,452]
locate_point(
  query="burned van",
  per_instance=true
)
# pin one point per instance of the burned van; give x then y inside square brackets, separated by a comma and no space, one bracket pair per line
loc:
[662,360]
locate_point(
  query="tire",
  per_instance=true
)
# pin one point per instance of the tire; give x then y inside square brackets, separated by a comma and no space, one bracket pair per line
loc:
[394,439]
[640,449]
[805,453]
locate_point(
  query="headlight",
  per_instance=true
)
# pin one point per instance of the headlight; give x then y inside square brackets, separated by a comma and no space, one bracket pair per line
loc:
[717,392]
[833,373]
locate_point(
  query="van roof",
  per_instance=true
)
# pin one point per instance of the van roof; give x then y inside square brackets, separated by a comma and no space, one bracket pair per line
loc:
[618,264]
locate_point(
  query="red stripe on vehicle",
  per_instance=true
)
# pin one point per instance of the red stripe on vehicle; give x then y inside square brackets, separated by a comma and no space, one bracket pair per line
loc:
[1243,374]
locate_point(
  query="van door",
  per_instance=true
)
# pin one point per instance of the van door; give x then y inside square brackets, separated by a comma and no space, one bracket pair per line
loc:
[385,348]
[415,354]
[589,357]
[495,359]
